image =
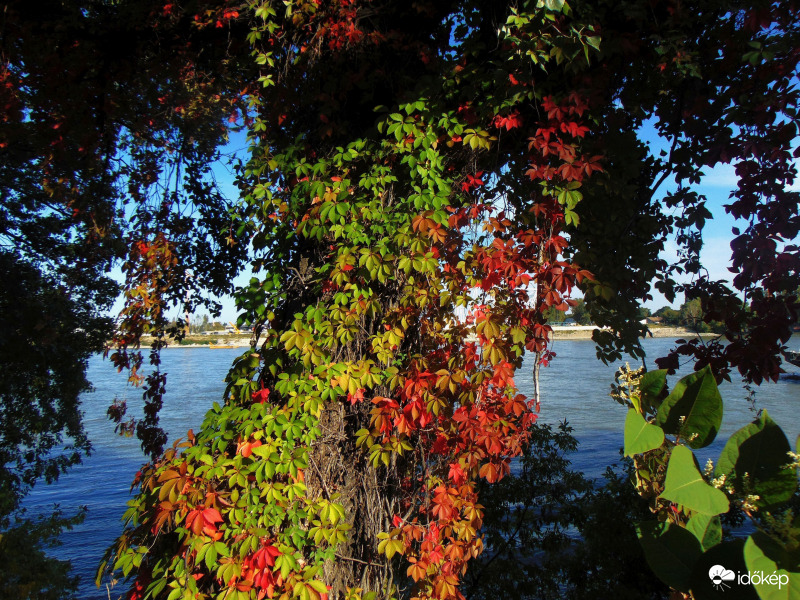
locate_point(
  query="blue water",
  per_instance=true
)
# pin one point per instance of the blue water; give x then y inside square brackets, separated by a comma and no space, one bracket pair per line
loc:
[575,387]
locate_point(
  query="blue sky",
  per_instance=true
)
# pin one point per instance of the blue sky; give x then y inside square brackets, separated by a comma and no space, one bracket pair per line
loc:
[716,185]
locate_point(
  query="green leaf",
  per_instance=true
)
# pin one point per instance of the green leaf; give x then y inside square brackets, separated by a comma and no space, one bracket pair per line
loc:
[685,486]
[780,568]
[175,594]
[554,5]
[671,552]
[707,529]
[593,41]
[756,459]
[320,587]
[641,436]
[211,558]
[693,410]
[651,388]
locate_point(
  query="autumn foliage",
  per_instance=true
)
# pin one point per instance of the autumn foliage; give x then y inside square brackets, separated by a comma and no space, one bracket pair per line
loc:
[364,362]
[424,182]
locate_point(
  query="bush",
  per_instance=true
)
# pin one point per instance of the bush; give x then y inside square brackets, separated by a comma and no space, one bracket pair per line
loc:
[547,530]
[27,572]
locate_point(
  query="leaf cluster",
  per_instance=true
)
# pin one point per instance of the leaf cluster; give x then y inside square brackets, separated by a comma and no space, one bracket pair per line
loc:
[755,474]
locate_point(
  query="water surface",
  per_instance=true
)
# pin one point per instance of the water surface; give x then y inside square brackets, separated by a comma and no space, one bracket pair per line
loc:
[575,387]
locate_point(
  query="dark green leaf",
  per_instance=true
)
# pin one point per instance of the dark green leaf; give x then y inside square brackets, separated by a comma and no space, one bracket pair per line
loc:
[707,529]
[651,388]
[693,410]
[671,552]
[756,460]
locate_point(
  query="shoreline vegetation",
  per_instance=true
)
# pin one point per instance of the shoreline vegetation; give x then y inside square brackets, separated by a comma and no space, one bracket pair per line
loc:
[579,332]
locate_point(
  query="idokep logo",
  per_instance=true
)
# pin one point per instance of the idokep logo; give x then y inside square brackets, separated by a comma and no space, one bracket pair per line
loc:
[722,578]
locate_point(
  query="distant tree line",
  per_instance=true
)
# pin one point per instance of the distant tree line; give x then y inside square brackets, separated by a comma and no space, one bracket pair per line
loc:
[690,315]
[197,324]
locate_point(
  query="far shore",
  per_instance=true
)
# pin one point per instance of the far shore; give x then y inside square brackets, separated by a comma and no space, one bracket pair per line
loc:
[658,331]
[560,332]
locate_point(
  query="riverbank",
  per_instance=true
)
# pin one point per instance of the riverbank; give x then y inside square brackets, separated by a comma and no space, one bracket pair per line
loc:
[214,342]
[578,332]
[585,332]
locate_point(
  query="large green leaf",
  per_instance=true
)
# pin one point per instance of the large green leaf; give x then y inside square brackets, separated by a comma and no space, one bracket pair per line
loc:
[651,389]
[755,460]
[670,551]
[707,529]
[693,410]
[765,557]
[641,436]
[685,486]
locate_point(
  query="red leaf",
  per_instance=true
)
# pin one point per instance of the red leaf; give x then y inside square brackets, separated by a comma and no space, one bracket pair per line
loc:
[457,474]
[261,395]
[509,121]
[211,515]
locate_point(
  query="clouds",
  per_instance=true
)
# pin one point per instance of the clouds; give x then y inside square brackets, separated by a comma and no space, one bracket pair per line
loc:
[724,176]
[721,176]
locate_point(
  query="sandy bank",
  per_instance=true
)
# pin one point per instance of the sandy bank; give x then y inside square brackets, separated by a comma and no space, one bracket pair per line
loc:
[585,333]
[559,333]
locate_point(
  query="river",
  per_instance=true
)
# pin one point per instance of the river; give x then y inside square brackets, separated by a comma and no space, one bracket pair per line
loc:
[574,387]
